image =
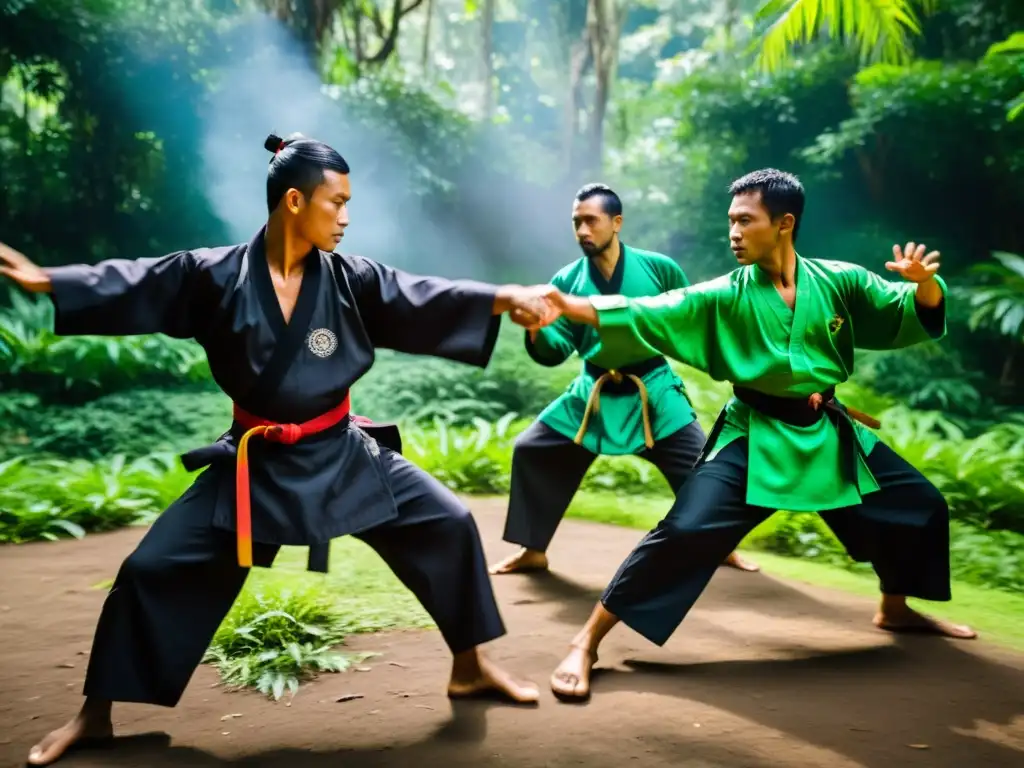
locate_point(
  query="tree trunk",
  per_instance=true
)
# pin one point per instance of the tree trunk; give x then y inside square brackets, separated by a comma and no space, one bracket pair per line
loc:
[871,165]
[1008,379]
[579,61]
[389,35]
[312,21]
[732,18]
[357,35]
[604,22]
[487,54]
[425,56]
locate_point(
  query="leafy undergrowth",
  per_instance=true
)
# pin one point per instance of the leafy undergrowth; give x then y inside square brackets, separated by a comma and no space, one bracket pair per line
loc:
[274,640]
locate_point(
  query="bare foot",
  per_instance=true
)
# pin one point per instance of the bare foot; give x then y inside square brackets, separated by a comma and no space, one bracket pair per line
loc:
[736,560]
[474,674]
[571,679]
[89,727]
[523,561]
[906,619]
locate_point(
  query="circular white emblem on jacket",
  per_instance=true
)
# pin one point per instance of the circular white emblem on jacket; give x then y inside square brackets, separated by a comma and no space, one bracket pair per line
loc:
[322,342]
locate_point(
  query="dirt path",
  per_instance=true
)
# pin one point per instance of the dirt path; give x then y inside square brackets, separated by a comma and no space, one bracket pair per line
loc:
[762,673]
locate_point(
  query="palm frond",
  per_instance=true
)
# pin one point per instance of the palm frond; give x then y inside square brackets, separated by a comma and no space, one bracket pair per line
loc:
[1013,262]
[1011,46]
[879,29]
[1015,108]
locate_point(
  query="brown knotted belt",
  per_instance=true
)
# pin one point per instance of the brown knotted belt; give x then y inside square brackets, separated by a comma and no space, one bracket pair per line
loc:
[816,400]
[594,404]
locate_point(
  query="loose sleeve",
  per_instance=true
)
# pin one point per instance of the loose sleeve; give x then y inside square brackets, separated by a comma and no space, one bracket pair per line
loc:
[886,315]
[450,319]
[675,324]
[555,343]
[120,297]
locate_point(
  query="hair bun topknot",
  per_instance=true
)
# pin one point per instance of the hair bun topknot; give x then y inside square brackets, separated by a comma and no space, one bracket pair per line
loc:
[273,143]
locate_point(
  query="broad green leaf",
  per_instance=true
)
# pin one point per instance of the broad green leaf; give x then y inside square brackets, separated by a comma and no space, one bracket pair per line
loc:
[1011,46]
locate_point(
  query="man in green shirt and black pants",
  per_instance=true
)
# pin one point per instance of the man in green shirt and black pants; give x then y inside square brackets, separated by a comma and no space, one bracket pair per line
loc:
[608,409]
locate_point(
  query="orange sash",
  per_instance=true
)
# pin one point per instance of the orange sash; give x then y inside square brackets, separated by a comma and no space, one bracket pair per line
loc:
[276,433]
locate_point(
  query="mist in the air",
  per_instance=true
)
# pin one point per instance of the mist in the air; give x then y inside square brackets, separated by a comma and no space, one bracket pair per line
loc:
[268,86]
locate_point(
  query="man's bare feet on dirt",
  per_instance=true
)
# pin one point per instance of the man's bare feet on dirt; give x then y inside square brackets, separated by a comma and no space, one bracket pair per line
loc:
[736,560]
[895,615]
[571,679]
[90,726]
[523,561]
[474,674]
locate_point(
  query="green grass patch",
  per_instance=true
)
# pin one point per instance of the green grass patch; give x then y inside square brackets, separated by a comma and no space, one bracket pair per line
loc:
[360,587]
[288,624]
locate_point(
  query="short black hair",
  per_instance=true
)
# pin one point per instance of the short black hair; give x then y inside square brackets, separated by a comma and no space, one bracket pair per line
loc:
[781,193]
[610,202]
[300,163]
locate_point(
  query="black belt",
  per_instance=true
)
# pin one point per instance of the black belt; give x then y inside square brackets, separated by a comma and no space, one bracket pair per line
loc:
[797,411]
[800,412]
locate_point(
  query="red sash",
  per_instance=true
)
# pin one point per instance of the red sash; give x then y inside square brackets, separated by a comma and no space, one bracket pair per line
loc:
[275,433]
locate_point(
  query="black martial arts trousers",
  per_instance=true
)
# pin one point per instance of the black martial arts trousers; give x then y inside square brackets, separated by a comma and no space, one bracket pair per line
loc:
[172,593]
[548,467]
[902,530]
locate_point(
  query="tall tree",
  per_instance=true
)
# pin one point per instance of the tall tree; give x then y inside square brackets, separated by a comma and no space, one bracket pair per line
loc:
[604,25]
[487,57]
[596,51]
[427,28]
[369,34]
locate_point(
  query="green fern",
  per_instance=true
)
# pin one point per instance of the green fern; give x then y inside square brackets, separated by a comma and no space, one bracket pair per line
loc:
[999,304]
[274,642]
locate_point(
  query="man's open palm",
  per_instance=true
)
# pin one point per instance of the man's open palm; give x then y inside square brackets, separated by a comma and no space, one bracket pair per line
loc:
[913,264]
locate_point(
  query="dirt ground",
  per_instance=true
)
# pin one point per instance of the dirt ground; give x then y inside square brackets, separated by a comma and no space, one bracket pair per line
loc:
[762,673]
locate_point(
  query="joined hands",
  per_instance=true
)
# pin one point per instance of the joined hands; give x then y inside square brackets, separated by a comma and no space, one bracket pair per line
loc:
[537,306]
[20,269]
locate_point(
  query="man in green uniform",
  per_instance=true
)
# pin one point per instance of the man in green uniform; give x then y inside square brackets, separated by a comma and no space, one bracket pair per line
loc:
[782,328]
[609,408]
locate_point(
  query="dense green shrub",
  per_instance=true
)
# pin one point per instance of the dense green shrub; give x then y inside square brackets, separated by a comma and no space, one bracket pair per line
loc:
[986,558]
[54,498]
[421,389]
[133,423]
[78,368]
[983,477]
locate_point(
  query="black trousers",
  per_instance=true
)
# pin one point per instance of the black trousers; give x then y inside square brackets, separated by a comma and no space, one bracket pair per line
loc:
[548,467]
[172,593]
[902,530]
